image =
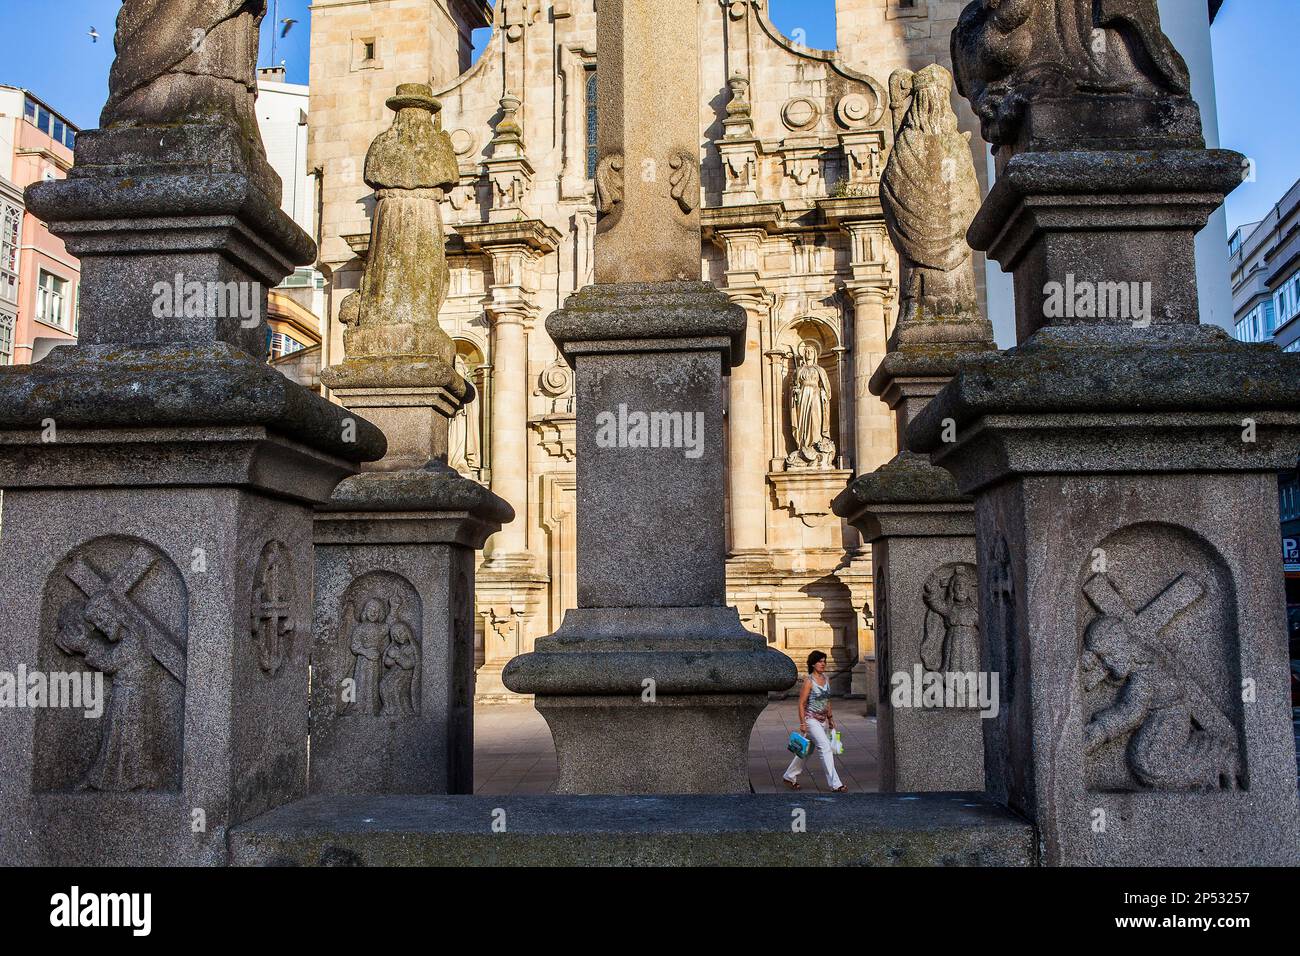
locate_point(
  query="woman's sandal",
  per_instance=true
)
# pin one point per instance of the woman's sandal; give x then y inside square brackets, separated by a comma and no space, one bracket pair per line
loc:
[842,788]
[792,784]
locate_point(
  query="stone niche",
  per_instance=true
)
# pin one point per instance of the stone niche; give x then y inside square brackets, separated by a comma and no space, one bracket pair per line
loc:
[1159,678]
[115,607]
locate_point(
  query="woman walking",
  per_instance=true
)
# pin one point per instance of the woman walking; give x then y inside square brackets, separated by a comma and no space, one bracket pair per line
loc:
[816,722]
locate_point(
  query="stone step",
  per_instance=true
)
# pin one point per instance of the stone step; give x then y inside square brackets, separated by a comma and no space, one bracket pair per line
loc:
[875,829]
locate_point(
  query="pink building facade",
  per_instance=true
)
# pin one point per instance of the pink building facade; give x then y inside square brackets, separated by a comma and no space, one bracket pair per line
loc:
[36,144]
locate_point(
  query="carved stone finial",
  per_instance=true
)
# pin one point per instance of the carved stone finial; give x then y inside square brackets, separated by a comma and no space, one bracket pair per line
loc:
[930,194]
[508,129]
[1009,53]
[395,312]
[739,123]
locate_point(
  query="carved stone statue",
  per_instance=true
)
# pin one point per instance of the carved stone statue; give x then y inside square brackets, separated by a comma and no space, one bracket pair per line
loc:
[810,412]
[118,638]
[463,440]
[1007,51]
[410,165]
[1177,737]
[398,688]
[366,635]
[951,644]
[930,194]
[185,61]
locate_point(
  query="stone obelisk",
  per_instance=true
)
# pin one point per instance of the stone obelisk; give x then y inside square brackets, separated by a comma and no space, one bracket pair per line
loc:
[651,685]
[1123,460]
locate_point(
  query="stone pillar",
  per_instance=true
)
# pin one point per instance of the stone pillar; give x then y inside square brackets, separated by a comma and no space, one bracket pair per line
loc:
[874,442]
[158,482]
[1123,461]
[652,657]
[746,469]
[510,323]
[393,655]
[920,527]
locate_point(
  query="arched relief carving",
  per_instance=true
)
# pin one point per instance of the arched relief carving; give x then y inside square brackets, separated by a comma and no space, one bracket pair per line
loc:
[115,610]
[273,622]
[1159,664]
[379,635]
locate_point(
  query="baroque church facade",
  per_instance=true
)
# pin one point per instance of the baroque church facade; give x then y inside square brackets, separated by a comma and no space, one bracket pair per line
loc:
[793,144]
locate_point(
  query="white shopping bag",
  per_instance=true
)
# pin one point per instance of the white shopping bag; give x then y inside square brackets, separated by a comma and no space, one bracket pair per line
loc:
[837,742]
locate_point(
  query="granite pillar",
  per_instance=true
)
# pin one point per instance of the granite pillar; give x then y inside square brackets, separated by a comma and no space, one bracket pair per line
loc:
[1123,462]
[158,480]
[393,651]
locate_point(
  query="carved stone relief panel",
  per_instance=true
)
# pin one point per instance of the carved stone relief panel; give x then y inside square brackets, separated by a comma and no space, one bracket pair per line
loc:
[273,623]
[1158,664]
[114,614]
[379,628]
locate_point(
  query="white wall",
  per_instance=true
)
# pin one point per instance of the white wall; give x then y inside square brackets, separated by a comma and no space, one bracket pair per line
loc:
[279,109]
[1187,24]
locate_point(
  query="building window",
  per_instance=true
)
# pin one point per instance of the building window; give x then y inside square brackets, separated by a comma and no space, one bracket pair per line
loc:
[592,154]
[282,345]
[6,339]
[51,300]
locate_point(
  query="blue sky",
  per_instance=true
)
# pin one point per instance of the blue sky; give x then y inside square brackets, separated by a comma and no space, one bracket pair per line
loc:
[44,46]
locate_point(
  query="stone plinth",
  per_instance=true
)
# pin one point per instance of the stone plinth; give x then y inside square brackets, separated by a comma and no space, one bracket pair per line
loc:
[922,535]
[393,656]
[1124,476]
[750,830]
[161,542]
[652,684]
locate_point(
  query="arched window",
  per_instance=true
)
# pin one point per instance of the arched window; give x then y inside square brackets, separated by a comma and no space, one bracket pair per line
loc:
[591,124]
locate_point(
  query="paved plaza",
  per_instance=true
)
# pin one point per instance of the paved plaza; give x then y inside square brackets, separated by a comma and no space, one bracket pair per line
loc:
[513,752]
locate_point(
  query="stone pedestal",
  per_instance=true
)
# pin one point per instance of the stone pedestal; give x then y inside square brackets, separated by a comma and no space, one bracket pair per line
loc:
[158,484]
[651,685]
[1124,473]
[393,659]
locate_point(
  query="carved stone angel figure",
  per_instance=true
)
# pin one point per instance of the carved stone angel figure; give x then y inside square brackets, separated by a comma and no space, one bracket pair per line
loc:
[810,412]
[930,194]
[1177,738]
[952,625]
[366,637]
[185,60]
[395,312]
[1004,51]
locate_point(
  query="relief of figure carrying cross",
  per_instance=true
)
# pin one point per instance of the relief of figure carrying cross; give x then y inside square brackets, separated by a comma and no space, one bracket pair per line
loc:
[1178,738]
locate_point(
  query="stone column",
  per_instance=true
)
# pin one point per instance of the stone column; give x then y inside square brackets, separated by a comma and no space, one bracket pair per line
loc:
[393,655]
[158,482]
[1123,461]
[920,527]
[652,656]
[510,322]
[746,468]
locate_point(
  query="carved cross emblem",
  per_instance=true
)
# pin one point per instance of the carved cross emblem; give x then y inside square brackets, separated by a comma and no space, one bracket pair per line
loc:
[273,624]
[1146,624]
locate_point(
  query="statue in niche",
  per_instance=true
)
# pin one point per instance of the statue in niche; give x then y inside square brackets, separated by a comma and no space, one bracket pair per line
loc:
[951,644]
[810,411]
[1005,52]
[409,166]
[1178,739]
[185,61]
[463,439]
[273,624]
[930,194]
[385,649]
[398,693]
[115,634]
